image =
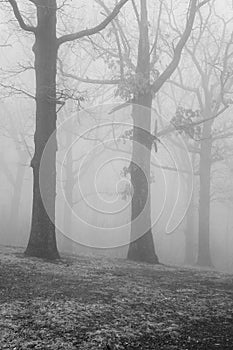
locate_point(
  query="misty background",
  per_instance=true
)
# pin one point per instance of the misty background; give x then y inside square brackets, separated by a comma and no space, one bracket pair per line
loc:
[84,148]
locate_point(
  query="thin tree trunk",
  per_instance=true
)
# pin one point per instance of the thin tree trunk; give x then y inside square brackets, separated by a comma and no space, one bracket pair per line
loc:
[204,255]
[42,241]
[141,246]
[190,246]
[67,244]
[190,255]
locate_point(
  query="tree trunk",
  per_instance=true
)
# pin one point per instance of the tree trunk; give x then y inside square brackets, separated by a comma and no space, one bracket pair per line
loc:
[190,244]
[141,246]
[190,256]
[67,243]
[204,256]
[141,241]
[42,241]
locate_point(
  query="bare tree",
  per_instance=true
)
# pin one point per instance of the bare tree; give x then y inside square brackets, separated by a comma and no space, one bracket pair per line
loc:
[139,88]
[42,241]
[214,82]
[142,249]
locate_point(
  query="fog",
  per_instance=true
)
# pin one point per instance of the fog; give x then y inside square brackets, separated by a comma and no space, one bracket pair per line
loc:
[92,211]
[93,202]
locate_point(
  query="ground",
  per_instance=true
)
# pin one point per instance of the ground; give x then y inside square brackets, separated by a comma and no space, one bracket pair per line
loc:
[98,303]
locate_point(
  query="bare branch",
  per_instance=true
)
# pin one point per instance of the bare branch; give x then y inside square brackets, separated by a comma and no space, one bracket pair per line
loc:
[92,81]
[94,30]
[154,47]
[19,17]
[223,136]
[183,87]
[17,90]
[88,80]
[179,47]
[202,3]
[108,12]
[136,12]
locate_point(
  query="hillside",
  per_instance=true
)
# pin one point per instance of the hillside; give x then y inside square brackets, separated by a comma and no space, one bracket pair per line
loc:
[93,303]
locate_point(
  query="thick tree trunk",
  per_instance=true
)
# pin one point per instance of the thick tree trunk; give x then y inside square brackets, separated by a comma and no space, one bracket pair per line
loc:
[141,246]
[204,256]
[42,241]
[141,241]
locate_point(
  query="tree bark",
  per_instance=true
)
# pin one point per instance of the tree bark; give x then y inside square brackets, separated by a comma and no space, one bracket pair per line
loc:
[141,241]
[141,246]
[42,241]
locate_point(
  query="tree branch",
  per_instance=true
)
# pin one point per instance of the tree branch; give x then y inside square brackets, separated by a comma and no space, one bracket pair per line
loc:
[94,30]
[223,136]
[88,80]
[179,47]
[92,81]
[108,12]
[154,47]
[19,17]
[202,3]
[170,128]
[17,90]
[182,86]
[136,12]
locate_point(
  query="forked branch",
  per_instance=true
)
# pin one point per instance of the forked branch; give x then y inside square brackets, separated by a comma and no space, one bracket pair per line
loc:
[194,6]
[94,30]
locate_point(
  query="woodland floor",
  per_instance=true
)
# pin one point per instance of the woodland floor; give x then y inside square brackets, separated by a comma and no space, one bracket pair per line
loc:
[94,303]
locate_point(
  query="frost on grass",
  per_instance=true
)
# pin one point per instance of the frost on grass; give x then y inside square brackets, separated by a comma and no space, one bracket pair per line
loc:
[93,303]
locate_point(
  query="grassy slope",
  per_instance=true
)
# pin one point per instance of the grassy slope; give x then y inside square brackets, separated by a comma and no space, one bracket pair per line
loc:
[87,303]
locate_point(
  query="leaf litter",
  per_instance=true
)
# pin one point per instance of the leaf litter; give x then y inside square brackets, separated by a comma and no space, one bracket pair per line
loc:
[92,303]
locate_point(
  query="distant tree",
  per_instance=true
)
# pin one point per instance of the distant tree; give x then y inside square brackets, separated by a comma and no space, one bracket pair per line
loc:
[212,83]
[23,151]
